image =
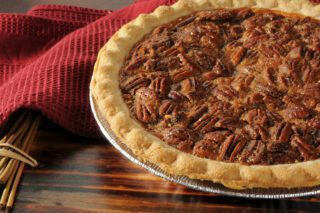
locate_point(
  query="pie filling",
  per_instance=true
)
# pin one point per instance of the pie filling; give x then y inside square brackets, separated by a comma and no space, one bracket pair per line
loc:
[230,85]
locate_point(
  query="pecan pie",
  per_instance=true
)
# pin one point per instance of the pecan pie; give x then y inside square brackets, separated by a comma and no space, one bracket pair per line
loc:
[219,91]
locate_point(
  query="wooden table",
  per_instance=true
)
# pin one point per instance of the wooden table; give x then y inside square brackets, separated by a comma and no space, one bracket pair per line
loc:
[82,174]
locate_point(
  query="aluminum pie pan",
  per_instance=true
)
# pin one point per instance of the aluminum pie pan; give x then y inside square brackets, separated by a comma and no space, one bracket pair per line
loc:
[205,186]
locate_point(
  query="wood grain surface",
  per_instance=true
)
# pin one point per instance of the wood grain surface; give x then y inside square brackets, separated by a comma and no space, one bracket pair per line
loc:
[84,174]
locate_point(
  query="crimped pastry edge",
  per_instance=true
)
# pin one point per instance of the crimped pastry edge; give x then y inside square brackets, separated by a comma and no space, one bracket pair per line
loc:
[106,92]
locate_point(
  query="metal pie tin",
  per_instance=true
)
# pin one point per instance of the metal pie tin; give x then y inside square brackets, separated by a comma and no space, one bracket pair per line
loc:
[205,186]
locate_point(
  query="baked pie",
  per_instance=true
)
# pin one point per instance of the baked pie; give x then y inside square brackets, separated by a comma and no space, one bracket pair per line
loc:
[227,91]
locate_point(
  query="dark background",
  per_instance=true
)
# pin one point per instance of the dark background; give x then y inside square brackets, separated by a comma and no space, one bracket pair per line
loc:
[21,6]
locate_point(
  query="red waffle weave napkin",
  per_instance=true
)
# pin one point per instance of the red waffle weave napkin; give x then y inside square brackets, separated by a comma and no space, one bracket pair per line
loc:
[47,57]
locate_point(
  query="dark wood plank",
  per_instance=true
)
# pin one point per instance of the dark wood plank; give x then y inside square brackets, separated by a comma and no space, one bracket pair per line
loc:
[84,174]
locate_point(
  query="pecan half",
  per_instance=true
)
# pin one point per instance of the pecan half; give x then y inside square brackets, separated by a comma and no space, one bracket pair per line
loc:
[250,58]
[185,21]
[282,38]
[278,147]
[225,93]
[145,105]
[237,55]
[243,13]
[292,70]
[187,63]
[275,50]
[254,153]
[167,107]
[217,136]
[256,116]
[205,123]
[189,85]
[224,147]
[160,85]
[179,75]
[231,147]
[206,149]
[306,150]
[173,51]
[136,63]
[135,83]
[255,99]
[227,122]
[237,146]
[213,41]
[296,111]
[312,90]
[269,89]
[248,151]
[259,155]
[180,138]
[196,113]
[262,132]
[257,132]
[254,41]
[177,96]
[218,70]
[224,108]
[209,75]
[270,75]
[282,132]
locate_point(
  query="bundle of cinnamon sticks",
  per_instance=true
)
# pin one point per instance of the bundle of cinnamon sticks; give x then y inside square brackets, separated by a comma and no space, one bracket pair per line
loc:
[16,138]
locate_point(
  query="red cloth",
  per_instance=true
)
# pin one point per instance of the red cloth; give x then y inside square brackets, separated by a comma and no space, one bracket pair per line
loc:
[47,58]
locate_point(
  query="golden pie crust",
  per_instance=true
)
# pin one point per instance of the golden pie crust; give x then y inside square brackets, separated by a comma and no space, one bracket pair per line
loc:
[107,94]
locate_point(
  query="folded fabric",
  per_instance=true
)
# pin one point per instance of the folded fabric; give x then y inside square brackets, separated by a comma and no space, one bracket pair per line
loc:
[47,57]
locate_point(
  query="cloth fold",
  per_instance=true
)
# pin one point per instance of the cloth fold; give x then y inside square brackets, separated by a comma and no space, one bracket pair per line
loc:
[47,57]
